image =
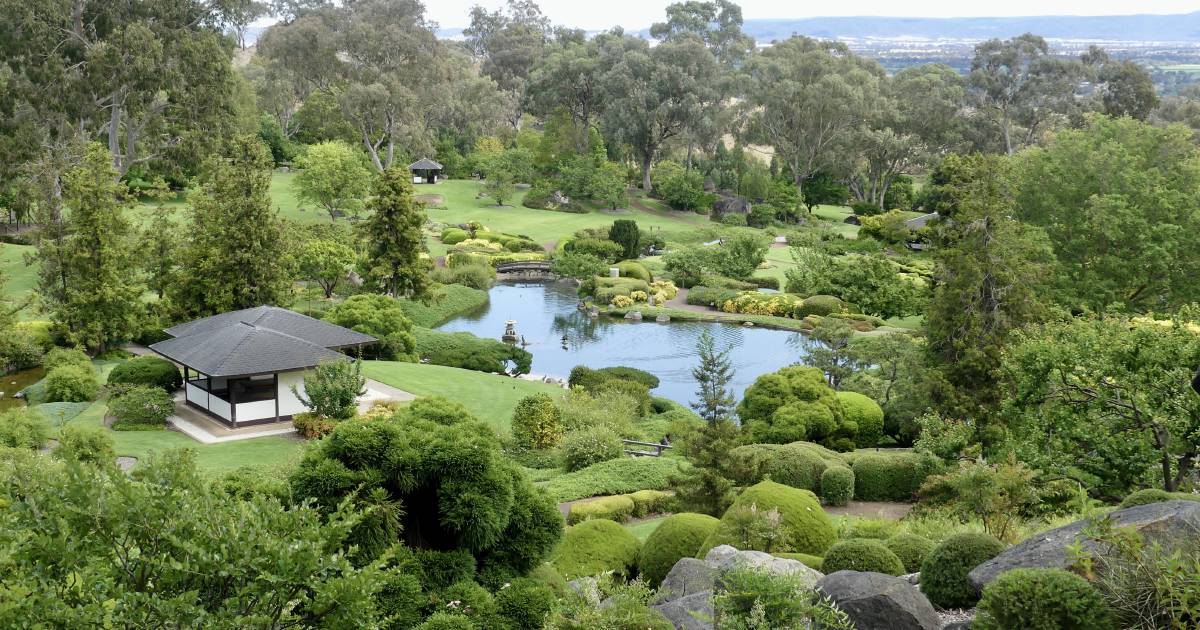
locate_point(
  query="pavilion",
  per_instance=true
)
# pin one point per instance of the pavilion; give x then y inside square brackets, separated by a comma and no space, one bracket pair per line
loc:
[425,171]
[240,367]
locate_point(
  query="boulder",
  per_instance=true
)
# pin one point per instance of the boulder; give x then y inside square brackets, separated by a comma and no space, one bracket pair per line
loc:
[1169,524]
[852,220]
[875,601]
[731,204]
[725,557]
[634,315]
[688,577]
[662,319]
[694,612]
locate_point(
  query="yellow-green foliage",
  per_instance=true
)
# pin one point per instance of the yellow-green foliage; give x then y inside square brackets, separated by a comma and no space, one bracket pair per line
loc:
[807,527]
[634,269]
[791,405]
[866,414]
[608,288]
[663,290]
[809,560]
[638,296]
[649,502]
[594,547]
[820,305]
[862,554]
[755,303]
[537,422]
[623,301]
[615,508]
[678,536]
[799,464]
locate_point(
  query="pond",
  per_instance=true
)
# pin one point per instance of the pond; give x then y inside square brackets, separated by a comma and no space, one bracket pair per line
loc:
[14,382]
[561,337]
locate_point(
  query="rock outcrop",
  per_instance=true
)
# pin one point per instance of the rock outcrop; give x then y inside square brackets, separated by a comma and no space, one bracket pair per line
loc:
[877,600]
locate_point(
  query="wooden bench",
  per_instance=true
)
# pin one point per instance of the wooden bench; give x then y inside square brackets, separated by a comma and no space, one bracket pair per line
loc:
[658,448]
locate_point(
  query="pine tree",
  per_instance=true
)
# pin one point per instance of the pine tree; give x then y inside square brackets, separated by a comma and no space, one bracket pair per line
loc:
[90,286]
[704,487]
[393,235]
[236,257]
[160,250]
[713,376]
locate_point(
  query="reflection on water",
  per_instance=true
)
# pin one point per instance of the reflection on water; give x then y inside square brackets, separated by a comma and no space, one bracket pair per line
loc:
[561,337]
[11,384]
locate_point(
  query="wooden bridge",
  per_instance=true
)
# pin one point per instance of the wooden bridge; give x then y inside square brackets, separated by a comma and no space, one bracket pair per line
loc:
[520,266]
[637,451]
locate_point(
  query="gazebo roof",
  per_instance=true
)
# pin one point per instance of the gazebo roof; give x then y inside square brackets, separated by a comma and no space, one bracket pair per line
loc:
[257,340]
[424,164]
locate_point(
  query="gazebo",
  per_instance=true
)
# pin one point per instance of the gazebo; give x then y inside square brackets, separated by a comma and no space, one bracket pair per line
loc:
[240,367]
[425,171]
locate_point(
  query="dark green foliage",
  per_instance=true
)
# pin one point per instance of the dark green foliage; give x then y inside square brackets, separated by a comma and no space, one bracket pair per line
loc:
[537,422]
[631,374]
[861,554]
[23,428]
[1041,599]
[71,383]
[678,536]
[19,350]
[525,603]
[466,351]
[628,381]
[807,527]
[799,464]
[820,305]
[91,445]
[837,485]
[710,296]
[944,571]
[624,232]
[436,409]
[594,547]
[891,476]
[435,487]
[866,414]
[394,239]
[58,357]
[381,317]
[440,569]
[911,549]
[402,599]
[469,599]
[247,482]
[758,599]
[615,476]
[1155,495]
[447,621]
[588,446]
[790,405]
[865,208]
[147,370]
[142,405]
[603,249]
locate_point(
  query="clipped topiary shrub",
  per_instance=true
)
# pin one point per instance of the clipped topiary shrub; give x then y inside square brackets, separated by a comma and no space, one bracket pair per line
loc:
[911,549]
[865,413]
[820,305]
[890,476]
[791,405]
[141,405]
[649,502]
[862,554]
[71,383]
[944,571]
[615,476]
[624,373]
[588,446]
[806,526]
[793,464]
[1041,599]
[147,370]
[594,547]
[634,269]
[447,621]
[615,508]
[837,485]
[525,603]
[678,536]
[537,422]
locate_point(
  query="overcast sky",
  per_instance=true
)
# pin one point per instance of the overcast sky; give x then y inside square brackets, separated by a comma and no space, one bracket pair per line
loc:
[636,14]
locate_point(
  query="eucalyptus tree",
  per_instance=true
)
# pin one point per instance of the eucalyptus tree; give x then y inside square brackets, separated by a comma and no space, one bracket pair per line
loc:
[508,42]
[718,24]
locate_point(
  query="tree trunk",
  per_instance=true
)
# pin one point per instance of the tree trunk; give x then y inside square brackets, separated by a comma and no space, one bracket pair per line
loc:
[646,172]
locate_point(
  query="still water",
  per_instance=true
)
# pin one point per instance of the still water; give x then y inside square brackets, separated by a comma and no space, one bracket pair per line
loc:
[561,337]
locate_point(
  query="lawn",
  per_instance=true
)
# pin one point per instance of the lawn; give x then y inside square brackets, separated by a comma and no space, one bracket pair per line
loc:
[643,529]
[491,397]
[19,278]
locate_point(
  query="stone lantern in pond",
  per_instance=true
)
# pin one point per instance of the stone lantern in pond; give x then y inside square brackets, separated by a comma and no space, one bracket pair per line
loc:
[510,331]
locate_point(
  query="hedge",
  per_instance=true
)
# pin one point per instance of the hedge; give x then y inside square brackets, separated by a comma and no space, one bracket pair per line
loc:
[808,528]
[944,571]
[147,370]
[837,485]
[1041,599]
[58,357]
[820,305]
[678,536]
[142,405]
[862,554]
[615,508]
[867,414]
[634,269]
[595,547]
[911,549]
[793,464]
[617,476]
[646,502]
[709,296]
[624,373]
[890,476]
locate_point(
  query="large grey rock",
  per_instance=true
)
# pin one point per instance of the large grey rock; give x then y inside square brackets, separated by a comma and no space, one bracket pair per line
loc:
[583,586]
[875,601]
[694,612]
[1169,524]
[688,577]
[731,204]
[725,557]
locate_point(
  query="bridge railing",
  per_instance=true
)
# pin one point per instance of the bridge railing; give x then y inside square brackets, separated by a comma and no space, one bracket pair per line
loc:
[658,448]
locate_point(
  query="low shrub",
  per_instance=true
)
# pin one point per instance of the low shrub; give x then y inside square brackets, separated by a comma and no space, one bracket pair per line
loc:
[755,303]
[792,464]
[865,413]
[478,276]
[865,208]
[312,426]
[23,428]
[525,603]
[537,422]
[634,269]
[862,554]
[737,220]
[147,370]
[805,526]
[142,404]
[71,383]
[614,508]
[454,235]
[646,502]
[605,289]
[590,445]
[447,621]
[601,248]
[624,373]
[19,350]
[595,547]
[615,476]
[890,476]
[710,296]
[820,305]
[911,549]
[58,357]
[90,445]
[944,571]
[1041,599]
[1156,495]
[837,485]
[864,527]
[466,351]
[469,599]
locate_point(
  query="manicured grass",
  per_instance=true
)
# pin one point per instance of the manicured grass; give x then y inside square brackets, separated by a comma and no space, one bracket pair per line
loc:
[643,529]
[778,260]
[448,302]
[766,321]
[19,277]
[491,397]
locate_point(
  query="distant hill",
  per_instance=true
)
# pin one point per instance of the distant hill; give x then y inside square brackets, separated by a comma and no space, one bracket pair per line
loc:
[1141,28]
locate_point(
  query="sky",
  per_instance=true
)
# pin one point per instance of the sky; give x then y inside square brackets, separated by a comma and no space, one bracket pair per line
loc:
[637,14]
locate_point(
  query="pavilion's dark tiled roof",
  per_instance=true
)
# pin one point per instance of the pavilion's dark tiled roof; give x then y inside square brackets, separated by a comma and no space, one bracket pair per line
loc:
[424,164]
[256,341]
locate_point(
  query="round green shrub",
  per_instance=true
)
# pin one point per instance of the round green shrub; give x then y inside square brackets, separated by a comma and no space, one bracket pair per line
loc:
[820,305]
[594,547]
[890,476]
[537,422]
[634,269]
[616,508]
[626,373]
[19,350]
[1156,495]
[90,445]
[146,370]
[23,428]
[678,536]
[874,528]
[837,485]
[447,621]
[58,357]
[142,404]
[790,405]
[1041,599]
[867,414]
[71,383]
[469,599]
[525,603]
[808,528]
[944,571]
[861,554]
[402,600]
[790,464]
[911,549]
[588,446]
[646,502]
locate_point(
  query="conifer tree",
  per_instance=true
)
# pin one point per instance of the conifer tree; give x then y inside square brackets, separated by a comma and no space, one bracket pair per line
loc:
[393,235]
[705,487]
